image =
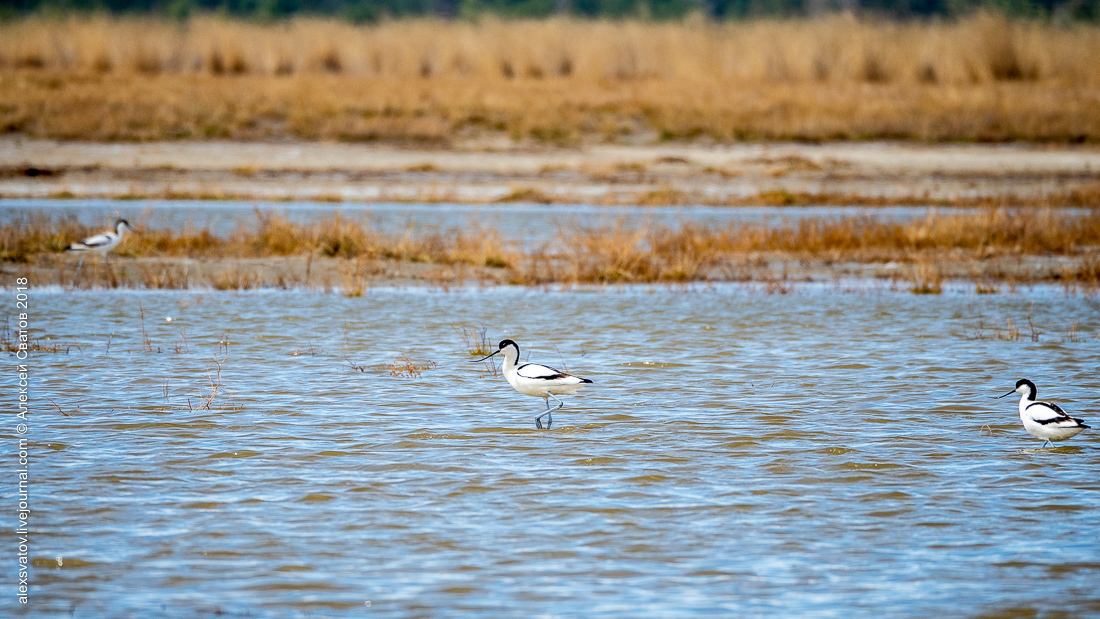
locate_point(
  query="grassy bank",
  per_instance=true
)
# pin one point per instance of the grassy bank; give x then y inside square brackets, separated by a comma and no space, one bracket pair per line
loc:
[558,81]
[684,253]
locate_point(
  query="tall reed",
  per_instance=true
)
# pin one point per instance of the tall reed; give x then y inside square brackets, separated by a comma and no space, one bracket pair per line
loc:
[981,49]
[555,80]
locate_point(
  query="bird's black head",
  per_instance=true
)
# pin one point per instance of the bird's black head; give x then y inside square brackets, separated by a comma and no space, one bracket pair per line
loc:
[122,223]
[1030,385]
[1022,385]
[501,346]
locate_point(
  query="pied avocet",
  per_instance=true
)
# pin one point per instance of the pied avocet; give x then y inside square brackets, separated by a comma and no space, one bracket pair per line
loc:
[536,380]
[101,243]
[1044,420]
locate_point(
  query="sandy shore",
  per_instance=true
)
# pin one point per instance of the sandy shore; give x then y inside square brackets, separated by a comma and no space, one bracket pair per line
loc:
[480,172]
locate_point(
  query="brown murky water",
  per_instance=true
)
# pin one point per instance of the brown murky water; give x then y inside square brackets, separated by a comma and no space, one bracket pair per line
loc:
[812,453]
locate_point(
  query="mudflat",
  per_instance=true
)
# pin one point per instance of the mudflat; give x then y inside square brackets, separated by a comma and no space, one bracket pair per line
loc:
[484,171]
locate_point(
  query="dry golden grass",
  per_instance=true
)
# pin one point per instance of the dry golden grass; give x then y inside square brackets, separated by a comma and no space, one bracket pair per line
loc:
[268,236]
[403,366]
[615,254]
[691,253]
[558,80]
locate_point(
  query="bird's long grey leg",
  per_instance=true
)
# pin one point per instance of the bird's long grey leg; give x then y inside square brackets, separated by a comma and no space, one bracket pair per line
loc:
[549,415]
[79,265]
[538,420]
[111,271]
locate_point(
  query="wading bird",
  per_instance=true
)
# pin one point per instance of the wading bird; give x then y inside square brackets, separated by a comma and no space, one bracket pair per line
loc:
[101,243]
[536,380]
[1044,420]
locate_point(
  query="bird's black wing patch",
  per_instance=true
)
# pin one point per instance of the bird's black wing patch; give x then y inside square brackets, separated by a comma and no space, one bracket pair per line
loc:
[1044,422]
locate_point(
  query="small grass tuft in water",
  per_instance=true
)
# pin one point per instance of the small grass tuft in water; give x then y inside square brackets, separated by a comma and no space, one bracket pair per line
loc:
[985,288]
[1010,333]
[403,366]
[206,401]
[182,346]
[1033,331]
[146,345]
[215,383]
[345,354]
[526,194]
[476,339]
[478,344]
[1073,335]
[11,344]
[926,279]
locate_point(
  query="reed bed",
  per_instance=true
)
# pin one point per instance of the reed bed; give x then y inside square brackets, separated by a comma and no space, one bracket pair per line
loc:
[683,253]
[555,80]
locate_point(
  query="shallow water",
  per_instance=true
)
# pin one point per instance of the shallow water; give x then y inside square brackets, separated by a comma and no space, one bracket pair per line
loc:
[525,222]
[814,453]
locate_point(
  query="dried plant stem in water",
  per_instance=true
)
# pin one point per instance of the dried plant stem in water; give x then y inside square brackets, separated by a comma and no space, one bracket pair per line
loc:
[403,366]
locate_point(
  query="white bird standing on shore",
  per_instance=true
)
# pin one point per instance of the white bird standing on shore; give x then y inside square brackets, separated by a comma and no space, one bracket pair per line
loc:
[101,243]
[1044,420]
[536,380]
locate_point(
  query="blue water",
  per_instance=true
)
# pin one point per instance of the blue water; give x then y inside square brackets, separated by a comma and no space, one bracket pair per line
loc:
[524,222]
[816,453]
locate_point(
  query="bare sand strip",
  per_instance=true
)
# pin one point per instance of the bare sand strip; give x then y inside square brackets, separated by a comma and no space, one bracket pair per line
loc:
[480,172]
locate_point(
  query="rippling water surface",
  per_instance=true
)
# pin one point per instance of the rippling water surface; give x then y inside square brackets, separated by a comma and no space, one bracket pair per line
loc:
[810,453]
[527,222]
